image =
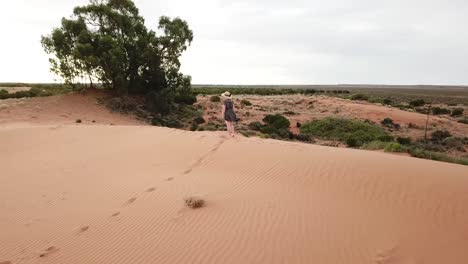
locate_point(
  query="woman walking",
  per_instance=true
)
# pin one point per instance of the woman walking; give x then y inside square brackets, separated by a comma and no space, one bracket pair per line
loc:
[228,113]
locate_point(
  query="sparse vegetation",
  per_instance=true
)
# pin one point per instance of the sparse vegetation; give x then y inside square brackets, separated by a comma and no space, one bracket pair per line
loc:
[354,132]
[457,112]
[359,97]
[425,154]
[440,111]
[388,122]
[440,135]
[37,90]
[246,102]
[463,120]
[256,90]
[394,147]
[387,101]
[78,121]
[404,140]
[417,102]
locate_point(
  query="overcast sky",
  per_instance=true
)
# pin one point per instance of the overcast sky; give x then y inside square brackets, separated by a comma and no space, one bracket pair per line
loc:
[276,42]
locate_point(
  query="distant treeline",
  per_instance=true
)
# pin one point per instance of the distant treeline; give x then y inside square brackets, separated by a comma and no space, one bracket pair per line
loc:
[261,91]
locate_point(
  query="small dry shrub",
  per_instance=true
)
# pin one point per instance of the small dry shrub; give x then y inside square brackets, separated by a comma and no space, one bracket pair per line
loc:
[193,202]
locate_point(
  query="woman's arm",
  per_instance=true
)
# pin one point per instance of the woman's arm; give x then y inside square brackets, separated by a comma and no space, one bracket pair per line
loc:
[222,112]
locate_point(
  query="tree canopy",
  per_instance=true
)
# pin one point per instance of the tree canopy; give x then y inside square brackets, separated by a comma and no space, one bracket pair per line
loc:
[107,41]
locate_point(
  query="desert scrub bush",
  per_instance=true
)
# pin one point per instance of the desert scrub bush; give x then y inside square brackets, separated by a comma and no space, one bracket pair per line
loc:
[404,140]
[440,111]
[304,138]
[193,202]
[354,132]
[246,102]
[277,121]
[199,120]
[194,127]
[394,147]
[463,120]
[359,97]
[387,101]
[256,126]
[215,99]
[457,112]
[388,122]
[440,135]
[374,145]
[78,121]
[188,99]
[417,102]
[454,143]
[425,154]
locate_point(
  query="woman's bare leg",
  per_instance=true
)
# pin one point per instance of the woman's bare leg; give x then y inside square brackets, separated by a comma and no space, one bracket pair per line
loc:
[228,127]
[233,130]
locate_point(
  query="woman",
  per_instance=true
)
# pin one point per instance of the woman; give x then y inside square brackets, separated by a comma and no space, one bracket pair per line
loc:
[228,113]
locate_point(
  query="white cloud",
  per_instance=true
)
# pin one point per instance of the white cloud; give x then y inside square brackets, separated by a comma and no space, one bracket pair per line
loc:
[272,42]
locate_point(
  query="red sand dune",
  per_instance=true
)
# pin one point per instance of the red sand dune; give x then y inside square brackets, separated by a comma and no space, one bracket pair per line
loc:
[114,194]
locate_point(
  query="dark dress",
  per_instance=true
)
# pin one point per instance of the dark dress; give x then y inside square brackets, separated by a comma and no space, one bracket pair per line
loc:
[229,114]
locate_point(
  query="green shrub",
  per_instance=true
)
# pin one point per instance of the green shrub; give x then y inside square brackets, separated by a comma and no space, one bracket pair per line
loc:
[256,126]
[404,140]
[303,137]
[422,110]
[457,112]
[440,135]
[387,101]
[360,97]
[354,132]
[277,121]
[375,145]
[194,127]
[388,122]
[215,99]
[424,154]
[187,99]
[418,102]
[463,120]
[440,111]
[246,102]
[199,120]
[454,143]
[394,147]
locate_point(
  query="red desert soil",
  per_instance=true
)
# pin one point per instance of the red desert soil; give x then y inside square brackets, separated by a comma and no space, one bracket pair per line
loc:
[307,108]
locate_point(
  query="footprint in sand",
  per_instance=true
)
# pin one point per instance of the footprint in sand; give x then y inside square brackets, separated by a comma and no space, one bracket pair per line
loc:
[5,262]
[131,200]
[115,214]
[170,179]
[48,251]
[151,190]
[84,229]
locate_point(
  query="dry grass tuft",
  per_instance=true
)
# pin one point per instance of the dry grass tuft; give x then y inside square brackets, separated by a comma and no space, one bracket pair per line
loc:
[193,202]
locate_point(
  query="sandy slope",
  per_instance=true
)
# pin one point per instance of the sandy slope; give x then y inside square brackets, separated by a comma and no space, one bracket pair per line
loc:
[61,109]
[114,194]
